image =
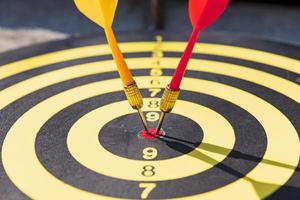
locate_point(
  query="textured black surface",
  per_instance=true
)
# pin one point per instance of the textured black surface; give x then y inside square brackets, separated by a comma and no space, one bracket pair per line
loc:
[132,144]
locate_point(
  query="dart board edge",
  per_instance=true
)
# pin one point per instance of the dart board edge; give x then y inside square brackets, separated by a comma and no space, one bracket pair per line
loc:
[67,131]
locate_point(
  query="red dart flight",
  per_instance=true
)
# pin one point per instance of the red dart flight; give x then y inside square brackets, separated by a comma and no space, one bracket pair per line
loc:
[202,13]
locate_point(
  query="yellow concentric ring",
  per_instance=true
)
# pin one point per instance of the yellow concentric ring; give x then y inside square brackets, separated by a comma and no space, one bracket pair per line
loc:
[84,146]
[273,82]
[22,165]
[267,58]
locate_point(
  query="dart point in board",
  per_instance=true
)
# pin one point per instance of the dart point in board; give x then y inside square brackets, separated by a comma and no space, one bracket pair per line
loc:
[202,14]
[151,134]
[102,12]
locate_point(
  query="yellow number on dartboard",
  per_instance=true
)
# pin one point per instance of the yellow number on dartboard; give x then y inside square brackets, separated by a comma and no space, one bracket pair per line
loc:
[149,153]
[148,171]
[148,187]
[153,104]
[154,91]
[152,116]
[156,72]
[155,82]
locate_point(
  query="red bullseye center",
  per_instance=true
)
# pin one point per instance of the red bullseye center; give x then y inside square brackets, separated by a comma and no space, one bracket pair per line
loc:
[151,134]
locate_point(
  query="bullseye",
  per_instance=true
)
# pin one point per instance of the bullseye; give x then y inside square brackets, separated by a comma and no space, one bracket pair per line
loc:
[151,134]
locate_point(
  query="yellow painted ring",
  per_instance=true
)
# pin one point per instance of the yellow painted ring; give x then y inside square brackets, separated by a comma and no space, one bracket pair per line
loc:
[267,58]
[84,146]
[23,167]
[28,86]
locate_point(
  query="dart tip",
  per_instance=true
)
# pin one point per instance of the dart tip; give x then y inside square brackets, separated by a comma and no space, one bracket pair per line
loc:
[160,122]
[143,119]
[151,134]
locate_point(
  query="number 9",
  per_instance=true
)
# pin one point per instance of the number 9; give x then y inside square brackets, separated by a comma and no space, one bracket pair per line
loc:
[149,153]
[152,116]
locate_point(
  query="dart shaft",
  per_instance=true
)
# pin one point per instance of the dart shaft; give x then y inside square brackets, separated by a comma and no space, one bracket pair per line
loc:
[123,69]
[160,122]
[131,89]
[180,70]
[135,100]
[143,119]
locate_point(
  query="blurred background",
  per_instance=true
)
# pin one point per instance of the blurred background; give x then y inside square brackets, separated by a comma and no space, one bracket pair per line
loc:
[27,22]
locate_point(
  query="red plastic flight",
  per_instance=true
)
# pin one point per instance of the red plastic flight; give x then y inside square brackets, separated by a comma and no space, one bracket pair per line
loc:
[202,13]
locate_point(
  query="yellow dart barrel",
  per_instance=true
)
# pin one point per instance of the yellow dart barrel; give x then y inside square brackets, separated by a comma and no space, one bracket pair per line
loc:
[134,96]
[168,100]
[124,72]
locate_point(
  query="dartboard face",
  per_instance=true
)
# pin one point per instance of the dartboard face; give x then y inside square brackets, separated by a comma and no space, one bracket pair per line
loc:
[67,131]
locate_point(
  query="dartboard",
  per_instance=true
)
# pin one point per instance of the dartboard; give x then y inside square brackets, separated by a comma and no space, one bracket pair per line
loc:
[67,131]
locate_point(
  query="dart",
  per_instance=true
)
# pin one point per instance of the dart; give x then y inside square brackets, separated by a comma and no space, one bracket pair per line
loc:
[202,14]
[102,13]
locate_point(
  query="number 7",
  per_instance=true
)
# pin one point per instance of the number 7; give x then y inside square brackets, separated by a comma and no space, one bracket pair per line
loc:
[148,188]
[154,91]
